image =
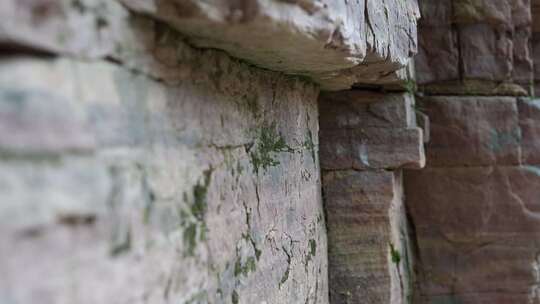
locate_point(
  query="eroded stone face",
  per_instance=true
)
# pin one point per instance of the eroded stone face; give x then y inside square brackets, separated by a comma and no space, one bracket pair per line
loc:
[365,139]
[364,130]
[476,230]
[123,188]
[467,131]
[369,254]
[470,47]
[336,43]
[330,41]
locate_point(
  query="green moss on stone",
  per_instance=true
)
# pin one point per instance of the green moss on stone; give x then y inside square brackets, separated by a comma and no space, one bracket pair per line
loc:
[190,238]
[270,142]
[396,256]
[234,297]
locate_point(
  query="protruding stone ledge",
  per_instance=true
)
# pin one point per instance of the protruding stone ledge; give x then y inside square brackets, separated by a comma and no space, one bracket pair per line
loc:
[475,47]
[336,43]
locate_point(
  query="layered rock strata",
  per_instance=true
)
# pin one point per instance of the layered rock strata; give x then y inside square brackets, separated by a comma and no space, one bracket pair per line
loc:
[120,185]
[335,43]
[365,140]
[471,47]
[475,207]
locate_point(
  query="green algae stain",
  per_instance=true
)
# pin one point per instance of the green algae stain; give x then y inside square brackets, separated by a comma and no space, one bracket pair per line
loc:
[193,219]
[395,255]
[270,143]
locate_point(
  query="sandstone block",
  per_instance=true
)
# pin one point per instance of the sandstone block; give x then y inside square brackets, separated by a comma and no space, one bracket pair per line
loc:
[371,148]
[333,40]
[437,13]
[493,39]
[438,55]
[40,122]
[472,131]
[358,108]
[368,250]
[476,230]
[486,53]
[86,28]
[141,218]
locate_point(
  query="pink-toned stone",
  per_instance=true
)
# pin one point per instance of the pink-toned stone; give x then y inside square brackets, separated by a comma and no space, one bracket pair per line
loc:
[358,108]
[486,52]
[438,55]
[477,231]
[34,122]
[366,219]
[472,131]
[529,122]
[371,148]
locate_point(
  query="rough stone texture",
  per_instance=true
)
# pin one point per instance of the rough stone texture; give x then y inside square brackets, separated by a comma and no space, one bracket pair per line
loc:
[116,188]
[471,47]
[365,130]
[83,28]
[364,135]
[337,43]
[535,11]
[477,231]
[369,253]
[529,122]
[371,148]
[472,131]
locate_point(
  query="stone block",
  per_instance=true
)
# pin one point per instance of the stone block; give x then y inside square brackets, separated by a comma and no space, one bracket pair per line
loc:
[34,122]
[368,249]
[438,55]
[435,13]
[529,122]
[477,231]
[371,148]
[360,108]
[474,131]
[141,217]
[486,52]
[333,41]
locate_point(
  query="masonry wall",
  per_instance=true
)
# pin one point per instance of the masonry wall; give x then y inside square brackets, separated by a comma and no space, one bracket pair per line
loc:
[475,205]
[117,187]
[168,151]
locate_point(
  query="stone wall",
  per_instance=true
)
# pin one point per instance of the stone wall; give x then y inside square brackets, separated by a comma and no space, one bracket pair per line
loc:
[469,47]
[366,138]
[475,207]
[119,187]
[168,152]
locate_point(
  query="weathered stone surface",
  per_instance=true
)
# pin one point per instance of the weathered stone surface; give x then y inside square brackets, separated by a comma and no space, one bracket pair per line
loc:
[438,55]
[83,28]
[139,217]
[529,122]
[472,131]
[475,88]
[359,108]
[37,122]
[477,230]
[479,41]
[332,41]
[371,148]
[366,130]
[369,254]
[424,123]
[486,53]
[337,43]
